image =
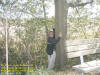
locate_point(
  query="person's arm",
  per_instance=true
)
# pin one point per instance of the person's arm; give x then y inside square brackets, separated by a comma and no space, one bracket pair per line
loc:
[54,32]
[54,41]
[58,39]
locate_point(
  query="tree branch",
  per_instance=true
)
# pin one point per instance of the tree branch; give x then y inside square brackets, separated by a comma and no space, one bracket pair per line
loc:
[77,5]
[7,3]
[14,2]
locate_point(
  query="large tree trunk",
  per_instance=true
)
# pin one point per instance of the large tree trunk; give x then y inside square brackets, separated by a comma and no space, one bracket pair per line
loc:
[61,11]
[61,26]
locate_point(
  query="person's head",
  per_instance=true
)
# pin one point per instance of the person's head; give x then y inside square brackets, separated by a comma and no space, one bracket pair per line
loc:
[51,34]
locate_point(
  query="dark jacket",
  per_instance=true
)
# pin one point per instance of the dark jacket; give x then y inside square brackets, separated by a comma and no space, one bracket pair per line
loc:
[51,45]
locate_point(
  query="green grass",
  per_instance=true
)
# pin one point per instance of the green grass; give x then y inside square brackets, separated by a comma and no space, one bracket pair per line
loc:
[41,71]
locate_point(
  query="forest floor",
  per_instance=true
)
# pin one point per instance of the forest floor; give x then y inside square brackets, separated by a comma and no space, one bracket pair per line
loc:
[43,71]
[73,73]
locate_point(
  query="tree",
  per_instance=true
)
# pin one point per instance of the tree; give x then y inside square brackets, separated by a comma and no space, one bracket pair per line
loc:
[4,6]
[61,12]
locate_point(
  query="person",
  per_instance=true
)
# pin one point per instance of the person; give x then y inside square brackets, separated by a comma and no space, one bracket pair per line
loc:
[51,48]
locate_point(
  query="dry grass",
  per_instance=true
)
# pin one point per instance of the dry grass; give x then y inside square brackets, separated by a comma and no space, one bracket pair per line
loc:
[73,72]
[44,71]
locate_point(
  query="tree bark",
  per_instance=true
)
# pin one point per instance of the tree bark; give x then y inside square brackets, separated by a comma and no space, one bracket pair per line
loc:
[61,26]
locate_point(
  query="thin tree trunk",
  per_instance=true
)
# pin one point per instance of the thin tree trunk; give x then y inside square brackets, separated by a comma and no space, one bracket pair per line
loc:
[43,4]
[6,45]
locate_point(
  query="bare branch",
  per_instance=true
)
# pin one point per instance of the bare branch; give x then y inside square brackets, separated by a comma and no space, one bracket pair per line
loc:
[77,4]
[8,3]
[14,2]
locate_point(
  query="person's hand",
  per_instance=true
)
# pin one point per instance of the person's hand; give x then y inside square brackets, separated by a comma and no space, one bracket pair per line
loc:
[60,34]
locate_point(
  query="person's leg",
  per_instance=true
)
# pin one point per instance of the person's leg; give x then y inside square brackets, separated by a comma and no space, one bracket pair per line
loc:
[49,56]
[52,60]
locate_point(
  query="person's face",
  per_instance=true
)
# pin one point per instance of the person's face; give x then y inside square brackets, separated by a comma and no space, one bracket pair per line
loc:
[51,34]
